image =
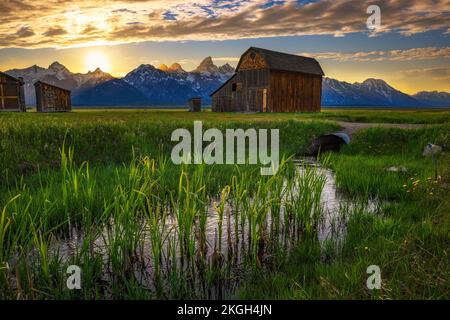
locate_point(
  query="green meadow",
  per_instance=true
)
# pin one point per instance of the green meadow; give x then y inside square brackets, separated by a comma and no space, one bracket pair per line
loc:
[408,238]
[97,189]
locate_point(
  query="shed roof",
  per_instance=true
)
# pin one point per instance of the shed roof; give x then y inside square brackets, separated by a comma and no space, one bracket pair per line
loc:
[51,85]
[287,62]
[11,77]
[223,84]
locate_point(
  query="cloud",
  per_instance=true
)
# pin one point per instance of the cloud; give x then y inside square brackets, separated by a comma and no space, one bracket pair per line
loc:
[55,31]
[435,74]
[123,10]
[226,59]
[115,20]
[89,29]
[389,55]
[19,36]
[25,32]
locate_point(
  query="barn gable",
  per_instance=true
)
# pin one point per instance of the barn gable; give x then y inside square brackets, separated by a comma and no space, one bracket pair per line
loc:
[251,60]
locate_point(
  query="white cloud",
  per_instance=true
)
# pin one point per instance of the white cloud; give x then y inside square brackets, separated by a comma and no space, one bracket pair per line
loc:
[389,55]
[226,59]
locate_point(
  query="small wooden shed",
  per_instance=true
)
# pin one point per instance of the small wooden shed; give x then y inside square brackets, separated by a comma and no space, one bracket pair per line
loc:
[50,98]
[195,104]
[270,81]
[12,94]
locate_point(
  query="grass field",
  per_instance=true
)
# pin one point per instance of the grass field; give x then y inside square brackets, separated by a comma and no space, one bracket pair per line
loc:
[409,239]
[432,116]
[104,180]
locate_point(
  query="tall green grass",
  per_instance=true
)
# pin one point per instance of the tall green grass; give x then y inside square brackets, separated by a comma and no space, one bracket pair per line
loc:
[407,238]
[103,195]
[33,143]
[148,230]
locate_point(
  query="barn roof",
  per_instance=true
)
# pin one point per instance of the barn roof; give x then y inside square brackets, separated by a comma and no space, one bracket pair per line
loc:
[11,77]
[223,84]
[287,62]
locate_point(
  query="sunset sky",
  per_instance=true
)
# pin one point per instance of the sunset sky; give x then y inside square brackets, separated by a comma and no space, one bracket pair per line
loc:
[411,51]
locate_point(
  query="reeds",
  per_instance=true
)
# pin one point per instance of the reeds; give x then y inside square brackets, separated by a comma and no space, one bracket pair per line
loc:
[140,231]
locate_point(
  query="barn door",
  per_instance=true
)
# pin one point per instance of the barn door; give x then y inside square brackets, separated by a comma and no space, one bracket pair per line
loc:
[9,96]
[264,100]
[261,100]
[248,100]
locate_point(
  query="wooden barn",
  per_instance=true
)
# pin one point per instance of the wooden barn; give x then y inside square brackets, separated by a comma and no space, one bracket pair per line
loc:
[270,81]
[12,94]
[50,98]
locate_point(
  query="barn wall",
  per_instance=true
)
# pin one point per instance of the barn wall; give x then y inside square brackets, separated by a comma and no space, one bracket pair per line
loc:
[248,95]
[52,99]
[224,99]
[12,96]
[294,92]
[250,84]
[251,78]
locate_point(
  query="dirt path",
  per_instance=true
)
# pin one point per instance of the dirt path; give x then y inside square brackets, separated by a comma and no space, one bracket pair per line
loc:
[352,127]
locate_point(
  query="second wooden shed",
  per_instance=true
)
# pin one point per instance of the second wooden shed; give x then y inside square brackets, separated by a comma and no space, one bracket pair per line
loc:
[50,98]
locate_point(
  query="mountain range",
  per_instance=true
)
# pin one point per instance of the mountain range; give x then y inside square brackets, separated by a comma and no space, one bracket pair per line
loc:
[376,92]
[173,86]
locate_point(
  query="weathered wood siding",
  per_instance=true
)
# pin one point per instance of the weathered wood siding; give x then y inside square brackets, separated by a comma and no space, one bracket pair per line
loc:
[252,61]
[245,91]
[294,92]
[249,87]
[52,99]
[12,97]
[224,99]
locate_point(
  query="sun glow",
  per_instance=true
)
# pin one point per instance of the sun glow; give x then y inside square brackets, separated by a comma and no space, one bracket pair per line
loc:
[94,60]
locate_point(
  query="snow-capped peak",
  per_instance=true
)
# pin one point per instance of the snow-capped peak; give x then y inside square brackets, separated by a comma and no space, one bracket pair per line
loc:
[207,66]
[56,66]
[376,84]
[163,67]
[144,67]
[97,72]
[176,67]
[60,71]
[226,69]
